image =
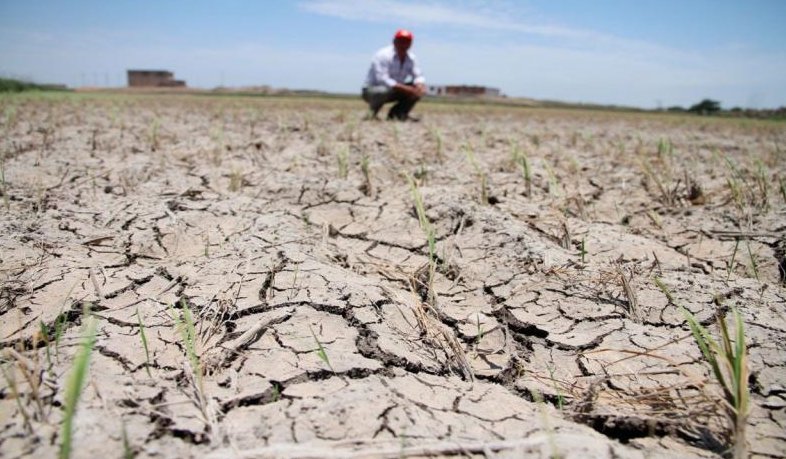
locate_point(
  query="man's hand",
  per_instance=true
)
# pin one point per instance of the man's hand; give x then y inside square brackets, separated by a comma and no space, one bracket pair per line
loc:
[412,91]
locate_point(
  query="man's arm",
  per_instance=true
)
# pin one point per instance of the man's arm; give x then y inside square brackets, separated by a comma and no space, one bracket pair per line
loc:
[417,78]
[413,91]
[382,72]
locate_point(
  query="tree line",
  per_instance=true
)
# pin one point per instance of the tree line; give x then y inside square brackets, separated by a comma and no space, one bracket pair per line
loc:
[709,107]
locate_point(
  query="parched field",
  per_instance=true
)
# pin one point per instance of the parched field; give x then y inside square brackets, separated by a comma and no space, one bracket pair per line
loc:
[274,277]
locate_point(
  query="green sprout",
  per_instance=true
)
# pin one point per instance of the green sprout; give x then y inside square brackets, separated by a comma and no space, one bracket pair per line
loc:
[184,323]
[365,169]
[553,181]
[754,263]
[3,187]
[143,336]
[730,267]
[342,159]
[560,397]
[76,382]
[60,322]
[321,353]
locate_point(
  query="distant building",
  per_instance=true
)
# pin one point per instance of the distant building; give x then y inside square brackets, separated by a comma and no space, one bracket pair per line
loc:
[153,78]
[462,91]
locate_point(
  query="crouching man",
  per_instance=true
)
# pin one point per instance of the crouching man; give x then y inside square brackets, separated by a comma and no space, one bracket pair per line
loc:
[394,77]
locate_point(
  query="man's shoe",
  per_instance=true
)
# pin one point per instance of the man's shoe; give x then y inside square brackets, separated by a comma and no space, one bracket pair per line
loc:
[402,117]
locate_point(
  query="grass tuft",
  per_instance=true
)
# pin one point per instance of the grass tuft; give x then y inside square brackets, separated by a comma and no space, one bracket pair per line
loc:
[482,177]
[728,360]
[553,180]
[184,323]
[521,161]
[76,381]
[633,303]
[431,238]
[439,144]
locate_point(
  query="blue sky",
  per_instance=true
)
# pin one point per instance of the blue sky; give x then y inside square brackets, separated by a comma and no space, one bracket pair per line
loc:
[644,53]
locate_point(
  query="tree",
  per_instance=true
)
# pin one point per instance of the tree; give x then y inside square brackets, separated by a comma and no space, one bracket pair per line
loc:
[706,107]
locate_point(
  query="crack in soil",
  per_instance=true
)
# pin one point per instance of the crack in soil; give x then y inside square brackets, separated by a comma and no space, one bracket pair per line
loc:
[253,184]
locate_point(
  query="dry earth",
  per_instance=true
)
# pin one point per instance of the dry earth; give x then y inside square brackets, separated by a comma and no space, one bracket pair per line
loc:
[319,331]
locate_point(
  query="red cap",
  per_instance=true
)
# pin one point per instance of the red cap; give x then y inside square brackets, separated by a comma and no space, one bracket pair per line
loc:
[403,34]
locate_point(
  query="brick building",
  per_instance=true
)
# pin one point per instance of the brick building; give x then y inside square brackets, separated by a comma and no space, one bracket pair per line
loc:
[153,78]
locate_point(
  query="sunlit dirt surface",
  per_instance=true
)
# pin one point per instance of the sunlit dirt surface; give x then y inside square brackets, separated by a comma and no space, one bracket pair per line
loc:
[544,320]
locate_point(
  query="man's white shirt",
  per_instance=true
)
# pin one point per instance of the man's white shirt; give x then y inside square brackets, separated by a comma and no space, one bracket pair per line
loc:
[387,69]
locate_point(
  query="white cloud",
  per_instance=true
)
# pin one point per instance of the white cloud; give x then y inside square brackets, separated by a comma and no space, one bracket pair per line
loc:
[396,11]
[478,18]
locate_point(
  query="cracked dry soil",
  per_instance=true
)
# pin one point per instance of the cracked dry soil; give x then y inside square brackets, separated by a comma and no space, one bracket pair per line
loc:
[318,334]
